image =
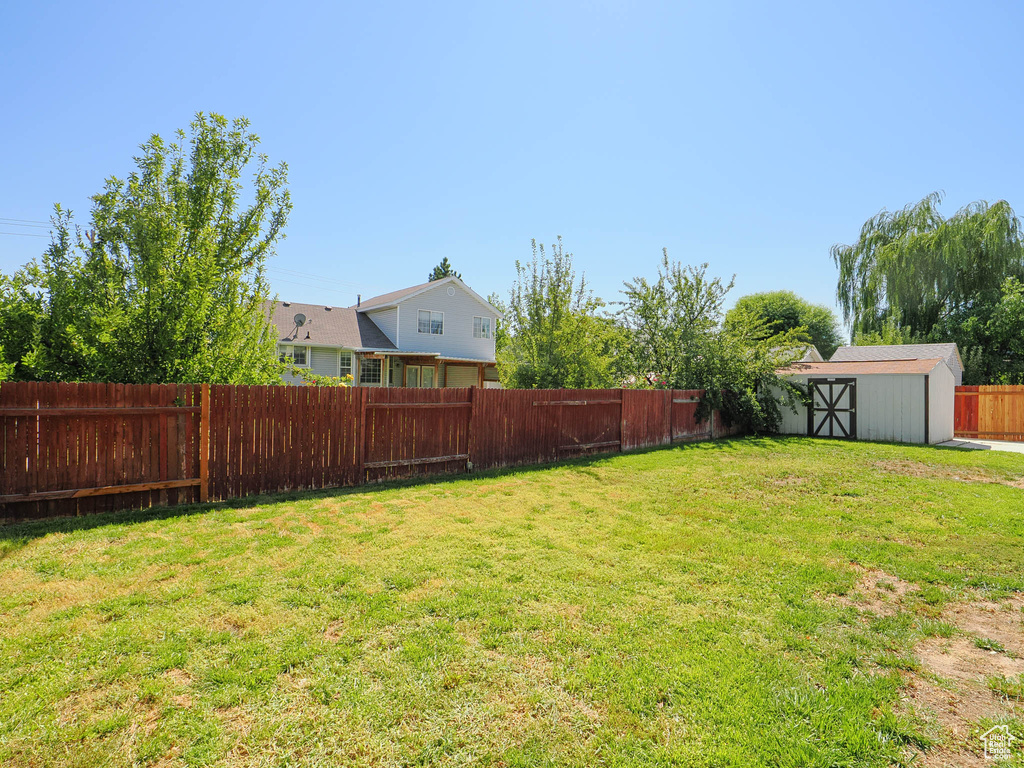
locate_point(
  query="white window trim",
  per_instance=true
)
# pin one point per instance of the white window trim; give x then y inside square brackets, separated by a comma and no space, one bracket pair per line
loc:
[432,312]
[290,353]
[490,327]
[420,368]
[351,362]
[383,369]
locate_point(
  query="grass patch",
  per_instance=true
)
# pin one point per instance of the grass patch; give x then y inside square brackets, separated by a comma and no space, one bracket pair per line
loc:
[1007,687]
[673,607]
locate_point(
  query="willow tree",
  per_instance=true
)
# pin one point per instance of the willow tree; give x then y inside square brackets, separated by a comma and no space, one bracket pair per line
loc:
[914,269]
[167,281]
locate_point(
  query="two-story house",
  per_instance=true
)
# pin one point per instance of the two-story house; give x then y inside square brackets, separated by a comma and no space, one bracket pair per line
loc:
[437,334]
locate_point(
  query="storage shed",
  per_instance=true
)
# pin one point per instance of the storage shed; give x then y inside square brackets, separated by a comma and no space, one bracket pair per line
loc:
[903,401]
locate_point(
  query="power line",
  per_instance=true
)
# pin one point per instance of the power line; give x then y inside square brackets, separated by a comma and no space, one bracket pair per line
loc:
[25,221]
[307,285]
[316,277]
[28,226]
[24,234]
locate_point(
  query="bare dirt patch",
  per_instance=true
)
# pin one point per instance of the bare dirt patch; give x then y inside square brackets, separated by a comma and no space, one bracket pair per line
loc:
[951,691]
[999,621]
[959,659]
[961,474]
[877,592]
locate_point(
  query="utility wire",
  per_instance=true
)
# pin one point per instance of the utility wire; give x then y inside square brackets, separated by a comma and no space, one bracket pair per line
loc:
[307,285]
[316,277]
[25,221]
[24,234]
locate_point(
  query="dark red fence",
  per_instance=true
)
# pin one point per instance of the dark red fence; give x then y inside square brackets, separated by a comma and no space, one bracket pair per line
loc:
[73,449]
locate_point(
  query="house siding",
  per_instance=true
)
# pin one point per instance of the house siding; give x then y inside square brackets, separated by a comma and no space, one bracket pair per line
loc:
[387,321]
[457,339]
[324,361]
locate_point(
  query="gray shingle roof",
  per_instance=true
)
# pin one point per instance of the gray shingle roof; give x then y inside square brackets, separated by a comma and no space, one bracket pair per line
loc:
[947,352]
[390,298]
[336,326]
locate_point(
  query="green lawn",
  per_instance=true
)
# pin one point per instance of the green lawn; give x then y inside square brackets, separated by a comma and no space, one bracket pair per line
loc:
[675,607]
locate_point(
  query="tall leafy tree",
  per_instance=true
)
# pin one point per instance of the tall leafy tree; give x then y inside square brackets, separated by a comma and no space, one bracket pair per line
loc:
[677,338]
[21,307]
[780,311]
[169,284]
[918,269]
[554,334]
[442,270]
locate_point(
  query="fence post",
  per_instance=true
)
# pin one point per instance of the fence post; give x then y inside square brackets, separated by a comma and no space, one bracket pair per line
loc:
[671,417]
[668,414]
[204,443]
[361,448]
[469,426]
[622,419]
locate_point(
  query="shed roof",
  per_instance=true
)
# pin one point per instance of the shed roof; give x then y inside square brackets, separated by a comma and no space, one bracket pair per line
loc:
[334,326]
[948,352]
[863,367]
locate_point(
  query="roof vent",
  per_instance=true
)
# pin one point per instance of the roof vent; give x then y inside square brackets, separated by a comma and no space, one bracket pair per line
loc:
[286,303]
[327,309]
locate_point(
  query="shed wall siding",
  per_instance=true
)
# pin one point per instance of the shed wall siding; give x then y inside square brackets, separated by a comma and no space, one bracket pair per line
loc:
[793,423]
[890,408]
[942,392]
[457,339]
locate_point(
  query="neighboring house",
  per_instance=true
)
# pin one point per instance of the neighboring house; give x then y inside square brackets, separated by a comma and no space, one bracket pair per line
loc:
[806,354]
[438,334]
[868,353]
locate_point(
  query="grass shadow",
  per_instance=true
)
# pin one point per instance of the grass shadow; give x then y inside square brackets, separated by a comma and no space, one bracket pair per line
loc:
[13,536]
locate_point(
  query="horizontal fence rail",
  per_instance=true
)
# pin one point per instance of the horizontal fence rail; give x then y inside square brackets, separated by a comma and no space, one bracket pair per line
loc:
[989,412]
[75,449]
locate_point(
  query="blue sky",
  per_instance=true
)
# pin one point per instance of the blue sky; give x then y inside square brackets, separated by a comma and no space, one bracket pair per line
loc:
[749,135]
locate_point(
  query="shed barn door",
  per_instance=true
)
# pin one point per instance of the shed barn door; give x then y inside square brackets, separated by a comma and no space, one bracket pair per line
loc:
[832,411]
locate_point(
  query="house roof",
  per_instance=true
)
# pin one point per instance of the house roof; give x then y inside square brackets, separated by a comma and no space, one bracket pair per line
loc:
[390,299]
[947,352]
[333,326]
[861,367]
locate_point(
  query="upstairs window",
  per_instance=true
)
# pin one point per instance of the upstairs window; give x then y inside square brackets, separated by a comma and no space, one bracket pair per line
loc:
[292,354]
[481,327]
[430,322]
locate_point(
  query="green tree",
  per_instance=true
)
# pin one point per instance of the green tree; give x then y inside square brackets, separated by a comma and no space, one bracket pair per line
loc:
[889,333]
[553,334]
[170,284]
[677,338]
[442,270]
[917,269]
[780,311]
[991,337]
[21,307]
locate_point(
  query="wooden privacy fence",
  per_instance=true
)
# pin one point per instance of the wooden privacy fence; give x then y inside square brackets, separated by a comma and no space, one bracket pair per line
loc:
[989,412]
[73,449]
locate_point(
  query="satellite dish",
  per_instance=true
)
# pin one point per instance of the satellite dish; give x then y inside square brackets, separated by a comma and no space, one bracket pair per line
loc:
[300,320]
